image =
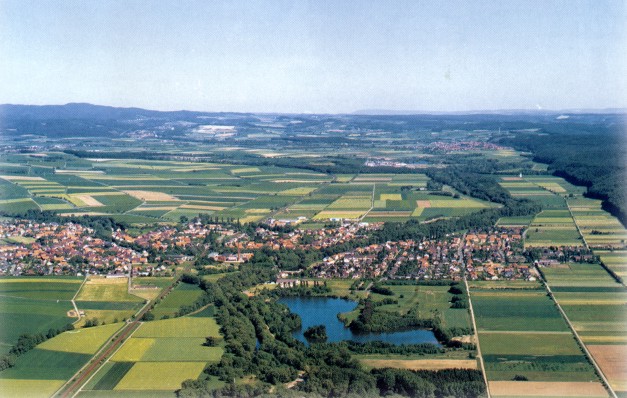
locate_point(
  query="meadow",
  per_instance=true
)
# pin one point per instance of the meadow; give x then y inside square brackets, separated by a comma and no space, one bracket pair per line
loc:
[429,300]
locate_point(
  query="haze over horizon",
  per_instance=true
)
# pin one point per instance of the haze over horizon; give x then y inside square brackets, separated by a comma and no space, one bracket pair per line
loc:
[316,57]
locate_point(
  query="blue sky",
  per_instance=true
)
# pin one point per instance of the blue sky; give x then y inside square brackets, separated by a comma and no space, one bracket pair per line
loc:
[315,56]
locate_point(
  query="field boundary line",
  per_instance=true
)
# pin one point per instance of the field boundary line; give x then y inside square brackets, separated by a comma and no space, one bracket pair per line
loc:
[570,211]
[374,185]
[604,379]
[474,325]
[78,315]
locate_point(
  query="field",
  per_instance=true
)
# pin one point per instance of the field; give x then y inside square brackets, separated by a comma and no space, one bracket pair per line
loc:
[182,294]
[158,357]
[106,289]
[516,311]
[553,228]
[428,300]
[420,364]
[107,300]
[546,389]
[29,305]
[186,326]
[599,228]
[150,191]
[616,260]
[159,376]
[55,361]
[521,332]
[595,304]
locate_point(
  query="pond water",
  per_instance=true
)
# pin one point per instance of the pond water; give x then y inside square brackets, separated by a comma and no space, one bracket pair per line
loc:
[323,311]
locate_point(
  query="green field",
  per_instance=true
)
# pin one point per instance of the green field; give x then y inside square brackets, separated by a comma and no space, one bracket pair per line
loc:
[30,305]
[182,294]
[522,332]
[519,310]
[186,326]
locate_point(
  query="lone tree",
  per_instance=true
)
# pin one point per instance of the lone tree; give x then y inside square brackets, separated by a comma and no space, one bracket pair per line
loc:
[316,334]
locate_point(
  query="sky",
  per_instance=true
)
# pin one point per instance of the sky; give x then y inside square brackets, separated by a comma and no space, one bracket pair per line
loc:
[319,56]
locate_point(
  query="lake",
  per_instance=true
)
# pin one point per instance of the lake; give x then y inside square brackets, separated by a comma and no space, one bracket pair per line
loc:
[323,311]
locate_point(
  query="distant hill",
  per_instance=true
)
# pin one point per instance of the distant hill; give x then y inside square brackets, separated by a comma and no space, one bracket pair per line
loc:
[83,111]
[386,112]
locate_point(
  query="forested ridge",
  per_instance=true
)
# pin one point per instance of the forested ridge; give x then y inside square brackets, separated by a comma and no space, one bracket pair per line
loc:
[593,155]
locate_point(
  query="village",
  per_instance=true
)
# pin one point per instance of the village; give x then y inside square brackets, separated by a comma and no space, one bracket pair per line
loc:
[30,248]
[493,255]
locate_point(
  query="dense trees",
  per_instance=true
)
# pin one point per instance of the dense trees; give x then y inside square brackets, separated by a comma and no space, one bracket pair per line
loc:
[316,334]
[258,341]
[590,154]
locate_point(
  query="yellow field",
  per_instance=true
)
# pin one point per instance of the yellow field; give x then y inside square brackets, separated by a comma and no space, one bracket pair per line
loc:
[248,219]
[550,389]
[159,375]
[246,170]
[197,207]
[604,339]
[105,289]
[29,388]
[552,186]
[38,280]
[22,178]
[155,196]
[258,211]
[417,212]
[420,364]
[456,203]
[6,201]
[338,214]
[297,191]
[391,196]
[82,341]
[133,350]
[82,213]
[84,200]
